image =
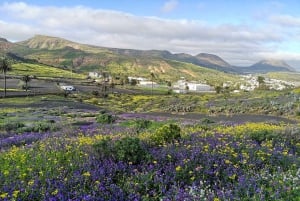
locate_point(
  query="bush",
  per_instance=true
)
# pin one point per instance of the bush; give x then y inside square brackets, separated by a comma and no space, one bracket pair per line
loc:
[207,121]
[39,127]
[12,126]
[129,149]
[141,124]
[95,93]
[262,135]
[166,134]
[105,118]
[103,148]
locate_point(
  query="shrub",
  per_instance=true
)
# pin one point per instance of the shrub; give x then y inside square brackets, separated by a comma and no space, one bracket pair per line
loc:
[129,149]
[262,135]
[103,148]
[39,127]
[105,118]
[166,134]
[141,124]
[207,121]
[12,126]
[95,93]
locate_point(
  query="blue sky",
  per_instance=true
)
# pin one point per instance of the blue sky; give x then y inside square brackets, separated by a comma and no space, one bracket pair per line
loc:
[240,31]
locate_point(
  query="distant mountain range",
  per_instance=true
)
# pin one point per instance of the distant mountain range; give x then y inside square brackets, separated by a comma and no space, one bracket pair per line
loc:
[63,53]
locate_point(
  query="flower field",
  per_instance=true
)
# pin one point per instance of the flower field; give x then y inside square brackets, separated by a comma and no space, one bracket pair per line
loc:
[145,160]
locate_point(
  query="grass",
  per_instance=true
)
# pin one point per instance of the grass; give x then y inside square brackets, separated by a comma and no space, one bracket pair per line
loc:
[286,76]
[29,99]
[41,70]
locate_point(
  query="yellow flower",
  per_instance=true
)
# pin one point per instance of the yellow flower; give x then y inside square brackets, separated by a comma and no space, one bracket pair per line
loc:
[55,192]
[6,172]
[15,193]
[86,174]
[31,182]
[216,199]
[227,161]
[178,168]
[3,195]
[154,162]
[232,176]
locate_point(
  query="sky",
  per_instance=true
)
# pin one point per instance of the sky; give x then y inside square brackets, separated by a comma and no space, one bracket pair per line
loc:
[242,32]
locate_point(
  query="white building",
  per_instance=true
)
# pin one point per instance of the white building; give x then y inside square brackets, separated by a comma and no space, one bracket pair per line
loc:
[182,86]
[199,87]
[95,75]
[138,79]
[251,83]
[147,83]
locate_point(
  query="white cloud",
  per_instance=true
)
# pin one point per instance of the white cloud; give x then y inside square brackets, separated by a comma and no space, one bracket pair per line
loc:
[22,10]
[123,30]
[169,6]
[286,20]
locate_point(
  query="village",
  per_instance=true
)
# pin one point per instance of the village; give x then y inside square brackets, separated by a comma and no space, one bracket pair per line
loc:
[248,83]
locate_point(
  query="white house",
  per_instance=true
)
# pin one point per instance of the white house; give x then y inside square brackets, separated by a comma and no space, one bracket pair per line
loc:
[182,86]
[147,83]
[95,75]
[138,79]
[199,87]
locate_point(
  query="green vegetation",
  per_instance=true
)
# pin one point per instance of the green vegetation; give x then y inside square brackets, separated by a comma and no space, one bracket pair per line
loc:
[40,70]
[166,134]
[5,67]
[130,150]
[286,76]
[145,146]
[105,118]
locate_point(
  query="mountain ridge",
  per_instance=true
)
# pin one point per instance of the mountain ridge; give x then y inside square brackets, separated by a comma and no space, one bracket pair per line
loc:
[269,65]
[85,52]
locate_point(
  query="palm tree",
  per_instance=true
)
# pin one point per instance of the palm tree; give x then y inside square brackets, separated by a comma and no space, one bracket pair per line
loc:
[4,67]
[26,79]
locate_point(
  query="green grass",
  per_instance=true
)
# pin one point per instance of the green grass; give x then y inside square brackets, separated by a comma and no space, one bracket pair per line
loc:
[30,99]
[41,70]
[286,76]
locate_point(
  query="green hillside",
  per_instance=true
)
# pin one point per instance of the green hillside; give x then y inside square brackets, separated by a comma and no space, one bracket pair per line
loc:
[41,70]
[287,76]
[64,54]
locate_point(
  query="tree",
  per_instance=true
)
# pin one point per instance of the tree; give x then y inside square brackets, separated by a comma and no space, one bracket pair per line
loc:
[152,78]
[133,82]
[26,79]
[218,89]
[169,84]
[4,67]
[261,83]
[260,80]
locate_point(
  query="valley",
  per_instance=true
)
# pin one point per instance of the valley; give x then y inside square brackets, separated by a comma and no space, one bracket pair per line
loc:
[81,122]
